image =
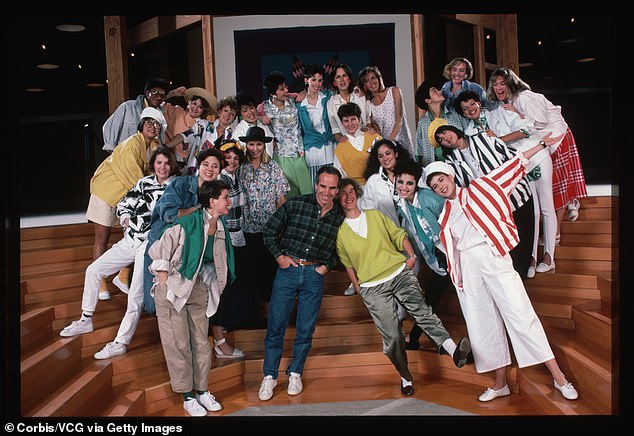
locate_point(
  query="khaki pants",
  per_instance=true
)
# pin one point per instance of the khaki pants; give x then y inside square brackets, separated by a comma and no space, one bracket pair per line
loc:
[184,337]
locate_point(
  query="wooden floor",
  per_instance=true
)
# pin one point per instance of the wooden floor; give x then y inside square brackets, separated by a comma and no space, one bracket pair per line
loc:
[577,305]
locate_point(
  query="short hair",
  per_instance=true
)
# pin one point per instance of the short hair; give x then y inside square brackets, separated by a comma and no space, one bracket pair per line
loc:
[211,189]
[235,149]
[245,99]
[446,151]
[410,167]
[156,82]
[328,170]
[169,154]
[273,81]
[139,127]
[349,110]
[229,101]
[422,94]
[348,181]
[455,61]
[211,151]
[311,70]
[464,96]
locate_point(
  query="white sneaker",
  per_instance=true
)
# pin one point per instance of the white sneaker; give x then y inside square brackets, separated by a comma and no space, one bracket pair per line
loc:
[104,295]
[491,394]
[531,272]
[194,408]
[123,287]
[78,327]
[568,391]
[542,267]
[110,350]
[266,388]
[208,401]
[349,290]
[294,384]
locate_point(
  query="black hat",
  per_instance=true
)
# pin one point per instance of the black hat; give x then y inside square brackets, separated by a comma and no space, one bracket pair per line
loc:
[255,133]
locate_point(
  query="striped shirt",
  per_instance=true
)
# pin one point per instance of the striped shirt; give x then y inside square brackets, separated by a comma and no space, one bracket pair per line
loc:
[483,155]
[486,205]
[297,229]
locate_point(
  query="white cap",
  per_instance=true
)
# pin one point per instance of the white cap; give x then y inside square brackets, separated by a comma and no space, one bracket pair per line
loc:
[435,167]
[155,114]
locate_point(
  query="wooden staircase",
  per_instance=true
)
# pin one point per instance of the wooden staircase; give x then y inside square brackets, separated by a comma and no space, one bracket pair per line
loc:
[577,303]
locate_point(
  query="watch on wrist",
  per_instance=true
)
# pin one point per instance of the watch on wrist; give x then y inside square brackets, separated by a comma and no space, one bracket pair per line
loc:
[542,143]
[412,256]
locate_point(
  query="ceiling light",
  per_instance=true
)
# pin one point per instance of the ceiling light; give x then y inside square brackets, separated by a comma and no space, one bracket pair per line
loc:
[34,89]
[95,85]
[70,27]
[47,66]
[584,60]
[526,64]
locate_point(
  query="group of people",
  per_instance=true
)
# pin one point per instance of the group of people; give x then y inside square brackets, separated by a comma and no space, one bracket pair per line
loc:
[234,210]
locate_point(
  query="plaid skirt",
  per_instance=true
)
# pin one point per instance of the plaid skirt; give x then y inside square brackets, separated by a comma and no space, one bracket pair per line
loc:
[568,179]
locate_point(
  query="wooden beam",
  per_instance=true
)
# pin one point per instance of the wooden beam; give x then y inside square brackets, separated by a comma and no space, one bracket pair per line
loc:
[209,58]
[478,55]
[158,26]
[418,55]
[507,46]
[117,64]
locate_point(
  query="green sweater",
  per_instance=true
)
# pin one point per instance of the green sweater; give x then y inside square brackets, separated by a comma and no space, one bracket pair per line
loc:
[376,256]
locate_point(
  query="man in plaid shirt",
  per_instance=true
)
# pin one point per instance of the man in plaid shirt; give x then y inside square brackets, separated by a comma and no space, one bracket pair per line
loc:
[301,235]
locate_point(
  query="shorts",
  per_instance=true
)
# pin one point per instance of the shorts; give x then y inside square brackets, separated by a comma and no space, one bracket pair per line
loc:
[100,212]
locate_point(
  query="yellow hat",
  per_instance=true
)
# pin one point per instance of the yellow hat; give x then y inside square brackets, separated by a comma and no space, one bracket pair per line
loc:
[431,130]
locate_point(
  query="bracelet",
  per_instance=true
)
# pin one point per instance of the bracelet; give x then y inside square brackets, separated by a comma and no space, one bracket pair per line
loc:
[412,256]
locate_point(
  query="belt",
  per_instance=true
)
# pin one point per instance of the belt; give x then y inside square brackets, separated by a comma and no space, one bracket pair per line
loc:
[304,262]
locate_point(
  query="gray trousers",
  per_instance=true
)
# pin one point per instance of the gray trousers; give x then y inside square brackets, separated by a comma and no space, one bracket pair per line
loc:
[381,300]
[184,337]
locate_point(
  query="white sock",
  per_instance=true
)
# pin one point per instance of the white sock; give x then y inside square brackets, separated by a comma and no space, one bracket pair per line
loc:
[405,382]
[450,346]
[294,373]
[86,317]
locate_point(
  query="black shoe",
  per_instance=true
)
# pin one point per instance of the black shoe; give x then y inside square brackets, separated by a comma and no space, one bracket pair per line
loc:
[407,390]
[412,345]
[462,350]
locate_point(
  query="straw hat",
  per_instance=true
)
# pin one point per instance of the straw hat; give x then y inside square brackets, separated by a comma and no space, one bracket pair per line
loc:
[431,130]
[202,92]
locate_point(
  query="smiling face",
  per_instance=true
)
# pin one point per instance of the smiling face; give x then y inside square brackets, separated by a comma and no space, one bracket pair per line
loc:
[162,167]
[500,88]
[248,113]
[448,138]
[227,115]
[151,128]
[387,157]
[281,93]
[195,108]
[350,123]
[371,82]
[326,189]
[155,96]
[443,185]
[470,109]
[406,186]
[458,72]
[220,205]
[348,199]
[209,169]
[232,161]
[255,150]
[314,82]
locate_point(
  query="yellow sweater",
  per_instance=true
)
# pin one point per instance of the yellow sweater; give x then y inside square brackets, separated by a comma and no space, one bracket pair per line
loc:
[352,160]
[122,169]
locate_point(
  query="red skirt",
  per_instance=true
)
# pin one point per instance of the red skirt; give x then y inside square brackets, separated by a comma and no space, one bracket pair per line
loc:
[568,179]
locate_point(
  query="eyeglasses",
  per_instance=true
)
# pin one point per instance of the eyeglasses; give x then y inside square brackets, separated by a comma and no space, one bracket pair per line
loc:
[154,92]
[152,123]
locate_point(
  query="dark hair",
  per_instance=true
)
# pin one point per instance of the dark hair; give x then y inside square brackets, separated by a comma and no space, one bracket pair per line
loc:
[229,101]
[139,127]
[347,181]
[169,154]
[348,72]
[422,94]
[372,165]
[349,110]
[245,99]
[430,176]
[205,104]
[446,151]
[313,69]
[410,167]
[273,81]
[211,151]
[211,189]
[235,149]
[464,96]
[328,170]
[156,82]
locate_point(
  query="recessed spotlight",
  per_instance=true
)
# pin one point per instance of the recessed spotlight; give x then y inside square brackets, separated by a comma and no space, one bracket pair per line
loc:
[526,64]
[70,27]
[95,85]
[47,66]
[34,89]
[584,60]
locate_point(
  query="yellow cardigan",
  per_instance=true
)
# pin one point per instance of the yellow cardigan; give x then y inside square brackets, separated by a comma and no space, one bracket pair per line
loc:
[120,171]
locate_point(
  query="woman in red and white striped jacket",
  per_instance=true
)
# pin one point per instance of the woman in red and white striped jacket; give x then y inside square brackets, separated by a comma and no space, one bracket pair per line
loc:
[478,231]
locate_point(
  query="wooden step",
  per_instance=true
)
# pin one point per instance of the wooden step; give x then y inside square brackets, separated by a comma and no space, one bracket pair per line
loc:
[35,330]
[606,227]
[87,391]
[122,402]
[61,231]
[595,327]
[46,370]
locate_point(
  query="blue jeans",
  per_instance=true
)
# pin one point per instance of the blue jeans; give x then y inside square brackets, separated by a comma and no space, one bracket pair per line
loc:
[306,284]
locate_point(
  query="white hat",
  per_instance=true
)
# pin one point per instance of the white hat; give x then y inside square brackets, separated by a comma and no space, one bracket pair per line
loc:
[155,114]
[435,167]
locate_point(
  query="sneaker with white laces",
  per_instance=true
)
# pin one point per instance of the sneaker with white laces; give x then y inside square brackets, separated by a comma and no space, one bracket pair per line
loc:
[266,388]
[193,407]
[567,390]
[104,295]
[492,394]
[123,287]
[294,384]
[208,401]
[78,327]
[110,350]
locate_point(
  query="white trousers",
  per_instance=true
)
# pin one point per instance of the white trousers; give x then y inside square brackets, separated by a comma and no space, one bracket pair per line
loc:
[494,302]
[120,255]
[543,203]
